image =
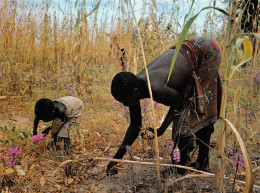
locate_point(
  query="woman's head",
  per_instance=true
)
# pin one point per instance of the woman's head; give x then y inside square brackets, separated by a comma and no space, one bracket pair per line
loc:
[124,85]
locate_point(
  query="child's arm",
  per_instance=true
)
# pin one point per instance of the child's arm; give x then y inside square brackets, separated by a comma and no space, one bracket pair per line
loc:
[35,125]
[47,130]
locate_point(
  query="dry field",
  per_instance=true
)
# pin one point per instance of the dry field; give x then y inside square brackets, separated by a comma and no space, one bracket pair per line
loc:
[79,57]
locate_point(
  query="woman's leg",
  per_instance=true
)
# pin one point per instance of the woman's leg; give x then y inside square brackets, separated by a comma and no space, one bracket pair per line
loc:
[203,140]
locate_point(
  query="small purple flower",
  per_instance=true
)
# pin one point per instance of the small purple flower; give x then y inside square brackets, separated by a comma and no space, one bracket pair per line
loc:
[37,138]
[89,89]
[146,118]
[115,104]
[79,90]
[229,150]
[238,161]
[156,104]
[11,161]
[13,152]
[176,155]
[241,158]
[257,77]
[145,105]
[128,148]
[111,103]
[169,144]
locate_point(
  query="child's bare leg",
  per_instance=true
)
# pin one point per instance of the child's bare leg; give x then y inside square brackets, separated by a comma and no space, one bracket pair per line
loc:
[66,145]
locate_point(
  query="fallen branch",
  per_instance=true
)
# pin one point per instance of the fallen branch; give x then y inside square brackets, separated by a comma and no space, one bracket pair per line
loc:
[148,163]
[202,174]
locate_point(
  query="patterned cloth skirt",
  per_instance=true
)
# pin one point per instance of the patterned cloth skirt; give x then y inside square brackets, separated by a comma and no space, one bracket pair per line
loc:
[202,99]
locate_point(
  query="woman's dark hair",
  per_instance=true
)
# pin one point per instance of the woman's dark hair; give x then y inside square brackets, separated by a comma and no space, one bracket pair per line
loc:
[43,107]
[123,84]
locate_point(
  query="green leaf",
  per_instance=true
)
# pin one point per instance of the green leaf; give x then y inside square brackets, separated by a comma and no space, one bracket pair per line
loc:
[234,39]
[78,18]
[20,172]
[140,22]
[184,32]
[247,55]
[243,10]
[189,11]
[94,9]
[239,42]
[154,4]
[235,101]
[126,1]
[247,51]
[25,134]
[76,3]
[257,35]
[231,62]
[9,171]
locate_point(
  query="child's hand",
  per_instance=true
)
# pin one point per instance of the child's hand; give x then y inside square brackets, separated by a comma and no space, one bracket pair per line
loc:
[46,131]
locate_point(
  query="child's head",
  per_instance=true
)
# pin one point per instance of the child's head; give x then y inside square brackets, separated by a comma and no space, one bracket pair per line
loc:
[44,109]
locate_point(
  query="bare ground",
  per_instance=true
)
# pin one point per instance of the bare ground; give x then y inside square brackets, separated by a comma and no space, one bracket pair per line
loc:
[49,172]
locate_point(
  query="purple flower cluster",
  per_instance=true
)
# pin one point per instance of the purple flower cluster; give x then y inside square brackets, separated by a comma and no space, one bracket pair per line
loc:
[257,77]
[229,150]
[37,138]
[238,161]
[12,153]
[176,152]
[115,104]
[169,144]
[80,90]
[89,89]
[73,90]
[145,105]
[176,155]
[128,148]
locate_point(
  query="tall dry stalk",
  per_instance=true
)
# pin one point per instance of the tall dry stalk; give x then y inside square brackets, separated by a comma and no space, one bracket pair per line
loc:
[156,146]
[230,58]
[220,157]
